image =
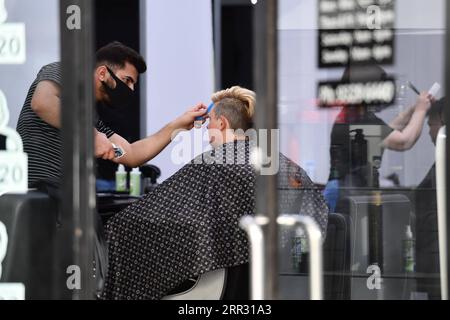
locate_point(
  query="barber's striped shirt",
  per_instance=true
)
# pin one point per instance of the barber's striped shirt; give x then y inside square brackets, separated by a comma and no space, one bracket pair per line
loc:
[41,141]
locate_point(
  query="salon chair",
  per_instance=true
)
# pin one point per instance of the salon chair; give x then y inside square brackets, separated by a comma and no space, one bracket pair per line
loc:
[222,284]
[336,258]
[30,222]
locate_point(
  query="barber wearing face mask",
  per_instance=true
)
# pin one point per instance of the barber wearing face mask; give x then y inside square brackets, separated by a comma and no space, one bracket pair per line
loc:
[115,77]
[115,113]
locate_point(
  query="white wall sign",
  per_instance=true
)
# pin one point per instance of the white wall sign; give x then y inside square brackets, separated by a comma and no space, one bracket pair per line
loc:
[12,291]
[370,93]
[12,39]
[13,161]
[12,43]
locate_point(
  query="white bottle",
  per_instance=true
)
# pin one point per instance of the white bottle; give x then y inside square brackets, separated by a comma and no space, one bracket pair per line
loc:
[135,182]
[121,179]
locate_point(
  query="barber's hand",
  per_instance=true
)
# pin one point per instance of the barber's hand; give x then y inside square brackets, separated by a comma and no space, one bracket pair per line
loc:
[186,121]
[424,101]
[103,147]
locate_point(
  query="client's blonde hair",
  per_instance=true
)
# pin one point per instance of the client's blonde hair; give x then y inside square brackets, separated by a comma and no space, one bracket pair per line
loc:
[237,105]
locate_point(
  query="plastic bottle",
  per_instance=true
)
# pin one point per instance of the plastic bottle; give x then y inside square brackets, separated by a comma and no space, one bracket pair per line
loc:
[299,253]
[376,172]
[359,149]
[121,179]
[304,264]
[409,251]
[296,253]
[135,182]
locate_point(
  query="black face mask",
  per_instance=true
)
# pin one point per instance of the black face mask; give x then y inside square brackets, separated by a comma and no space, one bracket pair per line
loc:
[121,96]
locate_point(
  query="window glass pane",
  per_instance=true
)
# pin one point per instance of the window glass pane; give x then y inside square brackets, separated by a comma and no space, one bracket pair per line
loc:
[350,116]
[29,40]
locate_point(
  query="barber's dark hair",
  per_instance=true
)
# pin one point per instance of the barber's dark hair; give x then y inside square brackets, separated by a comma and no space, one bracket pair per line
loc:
[437,110]
[370,72]
[116,54]
[362,73]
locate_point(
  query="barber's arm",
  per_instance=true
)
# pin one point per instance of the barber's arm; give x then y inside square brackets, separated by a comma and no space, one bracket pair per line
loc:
[46,103]
[401,121]
[142,151]
[401,140]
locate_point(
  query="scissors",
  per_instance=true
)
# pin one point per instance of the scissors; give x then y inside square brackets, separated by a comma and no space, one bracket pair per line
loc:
[413,88]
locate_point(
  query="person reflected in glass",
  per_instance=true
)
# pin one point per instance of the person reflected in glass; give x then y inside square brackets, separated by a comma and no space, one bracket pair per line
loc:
[350,165]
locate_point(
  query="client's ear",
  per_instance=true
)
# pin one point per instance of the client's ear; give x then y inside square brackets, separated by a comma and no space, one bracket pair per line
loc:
[223,123]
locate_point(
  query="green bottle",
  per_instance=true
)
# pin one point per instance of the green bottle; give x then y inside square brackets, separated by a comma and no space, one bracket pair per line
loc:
[135,182]
[121,179]
[409,258]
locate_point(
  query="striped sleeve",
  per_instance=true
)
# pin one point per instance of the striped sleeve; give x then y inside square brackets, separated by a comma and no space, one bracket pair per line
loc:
[101,127]
[51,72]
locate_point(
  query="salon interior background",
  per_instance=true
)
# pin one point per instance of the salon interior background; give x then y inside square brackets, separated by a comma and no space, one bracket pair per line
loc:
[177,39]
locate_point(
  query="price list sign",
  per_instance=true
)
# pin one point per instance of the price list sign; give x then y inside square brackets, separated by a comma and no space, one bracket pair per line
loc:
[367,93]
[356,32]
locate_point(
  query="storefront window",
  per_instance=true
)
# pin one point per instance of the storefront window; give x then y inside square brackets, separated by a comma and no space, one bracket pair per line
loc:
[361,101]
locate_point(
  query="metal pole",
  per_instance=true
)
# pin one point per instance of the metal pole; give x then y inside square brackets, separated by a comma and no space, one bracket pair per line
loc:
[77,58]
[254,228]
[442,209]
[265,77]
[447,119]
[217,14]
[315,250]
[143,78]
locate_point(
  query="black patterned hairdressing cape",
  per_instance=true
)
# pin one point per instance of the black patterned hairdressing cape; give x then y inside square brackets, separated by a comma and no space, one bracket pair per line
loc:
[189,225]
